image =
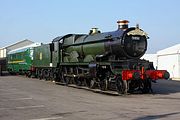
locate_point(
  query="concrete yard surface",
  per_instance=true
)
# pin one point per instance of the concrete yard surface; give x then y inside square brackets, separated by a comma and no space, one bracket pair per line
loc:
[24,98]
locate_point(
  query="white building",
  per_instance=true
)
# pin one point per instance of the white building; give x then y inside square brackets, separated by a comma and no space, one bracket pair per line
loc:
[169,59]
[5,50]
[2,52]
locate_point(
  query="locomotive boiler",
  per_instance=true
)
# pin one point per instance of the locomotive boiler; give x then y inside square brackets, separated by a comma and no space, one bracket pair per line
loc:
[125,43]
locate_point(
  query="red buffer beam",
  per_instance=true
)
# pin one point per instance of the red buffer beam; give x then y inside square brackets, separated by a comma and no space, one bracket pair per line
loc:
[144,74]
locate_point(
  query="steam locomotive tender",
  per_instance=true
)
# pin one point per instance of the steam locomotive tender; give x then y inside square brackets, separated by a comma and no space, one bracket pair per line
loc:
[108,61]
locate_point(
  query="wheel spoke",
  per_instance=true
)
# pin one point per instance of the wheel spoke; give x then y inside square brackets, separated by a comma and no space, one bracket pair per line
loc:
[121,85]
[147,86]
[103,84]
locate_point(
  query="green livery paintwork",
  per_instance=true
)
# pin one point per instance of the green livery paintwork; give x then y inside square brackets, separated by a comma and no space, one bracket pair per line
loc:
[20,60]
[42,56]
[82,49]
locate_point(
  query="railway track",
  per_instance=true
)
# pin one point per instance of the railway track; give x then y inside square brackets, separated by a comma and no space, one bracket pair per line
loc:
[109,92]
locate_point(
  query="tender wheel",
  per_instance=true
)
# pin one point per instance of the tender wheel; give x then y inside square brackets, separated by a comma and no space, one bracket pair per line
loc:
[121,85]
[46,74]
[40,74]
[103,84]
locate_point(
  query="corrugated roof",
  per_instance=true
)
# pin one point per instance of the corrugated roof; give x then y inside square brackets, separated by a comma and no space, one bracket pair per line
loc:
[171,50]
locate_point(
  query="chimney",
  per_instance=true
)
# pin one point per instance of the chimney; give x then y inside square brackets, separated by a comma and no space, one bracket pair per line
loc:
[123,24]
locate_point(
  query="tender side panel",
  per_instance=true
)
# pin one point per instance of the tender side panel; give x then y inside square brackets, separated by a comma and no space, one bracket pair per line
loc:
[42,56]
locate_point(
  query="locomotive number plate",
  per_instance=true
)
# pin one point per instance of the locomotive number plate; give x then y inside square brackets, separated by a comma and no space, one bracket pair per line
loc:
[135,38]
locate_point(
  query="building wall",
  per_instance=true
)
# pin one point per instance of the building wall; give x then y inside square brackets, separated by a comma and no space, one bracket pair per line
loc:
[2,52]
[171,63]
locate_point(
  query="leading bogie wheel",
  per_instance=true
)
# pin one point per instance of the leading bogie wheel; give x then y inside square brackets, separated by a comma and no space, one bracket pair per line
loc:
[147,87]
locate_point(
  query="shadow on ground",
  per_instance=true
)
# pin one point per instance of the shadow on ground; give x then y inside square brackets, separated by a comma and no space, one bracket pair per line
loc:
[153,117]
[166,87]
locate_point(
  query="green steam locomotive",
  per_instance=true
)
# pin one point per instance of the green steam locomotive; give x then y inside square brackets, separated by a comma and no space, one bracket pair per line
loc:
[108,61]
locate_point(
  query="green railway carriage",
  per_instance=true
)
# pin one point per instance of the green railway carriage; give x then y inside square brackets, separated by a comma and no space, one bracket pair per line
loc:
[20,60]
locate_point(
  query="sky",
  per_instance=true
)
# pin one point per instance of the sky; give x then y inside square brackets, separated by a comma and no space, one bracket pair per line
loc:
[43,20]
